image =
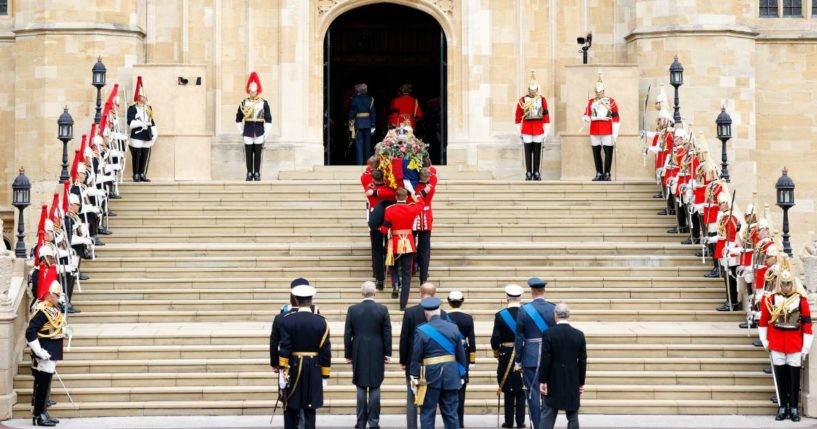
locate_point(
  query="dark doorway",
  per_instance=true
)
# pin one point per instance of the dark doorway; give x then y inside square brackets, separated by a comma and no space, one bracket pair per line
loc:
[384,45]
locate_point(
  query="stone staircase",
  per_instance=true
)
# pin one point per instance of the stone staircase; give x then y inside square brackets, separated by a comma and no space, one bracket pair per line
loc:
[176,318]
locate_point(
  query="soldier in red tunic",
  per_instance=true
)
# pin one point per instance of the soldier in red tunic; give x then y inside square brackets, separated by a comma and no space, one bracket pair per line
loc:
[602,115]
[710,218]
[405,108]
[427,188]
[785,330]
[377,192]
[727,250]
[662,136]
[397,223]
[533,126]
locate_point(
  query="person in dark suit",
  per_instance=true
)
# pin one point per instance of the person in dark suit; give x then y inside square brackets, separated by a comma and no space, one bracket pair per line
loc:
[437,366]
[412,318]
[502,343]
[363,119]
[534,319]
[562,370]
[367,346]
[465,323]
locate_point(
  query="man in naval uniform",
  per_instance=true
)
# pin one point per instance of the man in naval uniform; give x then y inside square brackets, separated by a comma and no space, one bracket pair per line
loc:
[465,323]
[254,121]
[533,127]
[503,340]
[437,370]
[142,132]
[363,119]
[534,319]
[785,330]
[44,336]
[602,115]
[412,318]
[305,357]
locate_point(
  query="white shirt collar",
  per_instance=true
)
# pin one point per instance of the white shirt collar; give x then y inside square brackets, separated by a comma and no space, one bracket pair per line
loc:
[368,299]
[559,322]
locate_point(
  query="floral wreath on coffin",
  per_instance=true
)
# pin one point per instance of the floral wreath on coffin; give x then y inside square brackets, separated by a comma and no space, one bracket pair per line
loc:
[401,156]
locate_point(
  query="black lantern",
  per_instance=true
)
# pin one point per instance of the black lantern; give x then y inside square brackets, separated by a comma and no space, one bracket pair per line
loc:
[724,127]
[98,81]
[785,200]
[65,132]
[676,79]
[21,198]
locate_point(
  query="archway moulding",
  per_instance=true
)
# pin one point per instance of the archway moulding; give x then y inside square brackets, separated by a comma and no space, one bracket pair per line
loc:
[441,10]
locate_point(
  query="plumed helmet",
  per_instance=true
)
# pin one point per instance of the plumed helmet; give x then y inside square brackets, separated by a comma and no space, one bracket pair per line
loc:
[599,84]
[254,83]
[533,85]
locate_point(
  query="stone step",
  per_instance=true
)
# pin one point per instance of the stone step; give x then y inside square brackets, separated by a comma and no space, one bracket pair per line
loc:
[392,406]
[343,376]
[353,184]
[486,392]
[476,306]
[240,312]
[363,261]
[536,219]
[443,251]
[352,201]
[260,351]
[439,274]
[479,297]
[360,235]
[333,287]
[356,192]
[658,335]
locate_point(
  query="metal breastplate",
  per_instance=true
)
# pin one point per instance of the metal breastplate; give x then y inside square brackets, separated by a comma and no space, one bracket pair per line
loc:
[533,108]
[253,109]
[600,109]
[789,318]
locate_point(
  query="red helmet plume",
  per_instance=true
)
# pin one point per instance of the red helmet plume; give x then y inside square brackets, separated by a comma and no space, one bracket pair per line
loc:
[254,79]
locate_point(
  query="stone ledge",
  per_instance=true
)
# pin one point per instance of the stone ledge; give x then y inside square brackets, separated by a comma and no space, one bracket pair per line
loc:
[89,28]
[691,30]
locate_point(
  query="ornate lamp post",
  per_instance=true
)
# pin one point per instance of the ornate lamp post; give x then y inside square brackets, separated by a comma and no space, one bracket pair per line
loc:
[98,81]
[21,198]
[724,125]
[785,200]
[676,79]
[65,132]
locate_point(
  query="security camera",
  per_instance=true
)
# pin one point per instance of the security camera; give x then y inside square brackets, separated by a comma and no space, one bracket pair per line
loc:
[182,81]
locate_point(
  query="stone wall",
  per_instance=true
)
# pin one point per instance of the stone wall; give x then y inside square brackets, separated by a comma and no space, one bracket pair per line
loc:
[757,68]
[13,319]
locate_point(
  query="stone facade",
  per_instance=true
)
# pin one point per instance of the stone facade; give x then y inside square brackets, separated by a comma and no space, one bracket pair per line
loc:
[756,67]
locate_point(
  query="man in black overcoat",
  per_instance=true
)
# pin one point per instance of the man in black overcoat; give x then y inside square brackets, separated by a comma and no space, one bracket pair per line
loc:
[367,346]
[562,370]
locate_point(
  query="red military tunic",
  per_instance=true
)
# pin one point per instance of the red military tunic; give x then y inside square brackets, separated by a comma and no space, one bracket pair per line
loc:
[785,340]
[366,178]
[602,127]
[711,212]
[662,154]
[751,240]
[399,218]
[405,107]
[700,192]
[380,193]
[537,116]
[426,217]
[728,229]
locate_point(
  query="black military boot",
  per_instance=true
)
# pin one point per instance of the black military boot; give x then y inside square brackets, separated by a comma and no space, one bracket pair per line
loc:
[528,151]
[136,155]
[42,420]
[794,393]
[781,375]
[257,150]
[379,285]
[143,163]
[537,157]
[248,162]
[597,162]
[608,162]
[714,274]
[782,414]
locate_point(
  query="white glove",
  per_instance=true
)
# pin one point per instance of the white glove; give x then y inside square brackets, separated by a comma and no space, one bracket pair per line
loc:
[267,128]
[136,124]
[547,131]
[414,385]
[324,382]
[748,275]
[155,132]
[712,240]
[763,333]
[282,382]
[517,367]
[240,127]
[586,119]
[642,134]
[462,382]
[471,367]
[807,340]
[758,295]
[616,128]
[373,130]
[38,350]
[653,149]
[518,128]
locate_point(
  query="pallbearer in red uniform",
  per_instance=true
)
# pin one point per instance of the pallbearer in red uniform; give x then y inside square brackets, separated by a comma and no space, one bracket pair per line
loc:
[405,108]
[377,194]
[427,188]
[785,330]
[602,115]
[533,126]
[397,223]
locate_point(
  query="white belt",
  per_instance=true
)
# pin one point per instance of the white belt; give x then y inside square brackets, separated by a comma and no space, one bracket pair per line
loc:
[533,340]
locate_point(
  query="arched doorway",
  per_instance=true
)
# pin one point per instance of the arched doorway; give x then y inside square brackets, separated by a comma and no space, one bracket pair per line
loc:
[384,45]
